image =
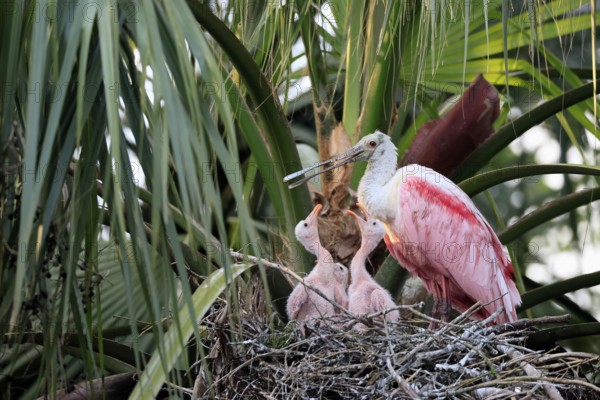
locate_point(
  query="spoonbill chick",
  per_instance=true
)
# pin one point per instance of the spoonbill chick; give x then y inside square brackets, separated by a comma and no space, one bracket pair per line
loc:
[329,277]
[365,296]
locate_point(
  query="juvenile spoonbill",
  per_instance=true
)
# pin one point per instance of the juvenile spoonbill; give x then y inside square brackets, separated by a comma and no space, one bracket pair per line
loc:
[329,277]
[365,296]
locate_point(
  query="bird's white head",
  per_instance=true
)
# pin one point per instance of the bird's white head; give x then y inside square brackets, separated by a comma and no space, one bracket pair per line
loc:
[307,230]
[372,147]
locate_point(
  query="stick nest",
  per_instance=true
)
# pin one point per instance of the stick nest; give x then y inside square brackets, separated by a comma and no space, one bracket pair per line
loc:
[463,359]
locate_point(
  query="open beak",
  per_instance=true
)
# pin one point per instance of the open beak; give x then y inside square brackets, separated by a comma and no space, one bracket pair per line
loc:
[314,214]
[363,209]
[361,222]
[351,155]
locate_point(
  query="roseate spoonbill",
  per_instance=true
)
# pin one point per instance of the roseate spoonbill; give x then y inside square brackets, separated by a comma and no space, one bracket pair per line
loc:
[329,277]
[365,296]
[433,229]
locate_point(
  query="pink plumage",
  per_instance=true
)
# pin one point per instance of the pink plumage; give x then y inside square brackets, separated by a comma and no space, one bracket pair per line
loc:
[329,277]
[439,235]
[365,295]
[433,229]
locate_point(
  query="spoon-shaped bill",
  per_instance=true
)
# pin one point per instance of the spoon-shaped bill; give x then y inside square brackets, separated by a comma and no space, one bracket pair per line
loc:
[305,170]
[309,177]
[351,155]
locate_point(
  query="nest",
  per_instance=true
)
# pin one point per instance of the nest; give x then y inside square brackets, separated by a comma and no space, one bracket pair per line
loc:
[464,359]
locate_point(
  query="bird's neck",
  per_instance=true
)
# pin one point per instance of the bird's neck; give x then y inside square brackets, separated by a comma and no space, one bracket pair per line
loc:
[358,268]
[324,259]
[371,190]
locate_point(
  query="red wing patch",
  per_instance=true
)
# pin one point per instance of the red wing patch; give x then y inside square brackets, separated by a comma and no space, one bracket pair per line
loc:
[434,194]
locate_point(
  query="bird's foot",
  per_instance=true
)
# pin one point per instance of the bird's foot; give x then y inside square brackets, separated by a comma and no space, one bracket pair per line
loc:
[445,309]
[435,313]
[441,312]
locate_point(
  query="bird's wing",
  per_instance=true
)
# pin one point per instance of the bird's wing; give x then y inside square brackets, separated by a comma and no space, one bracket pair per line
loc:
[442,232]
[296,301]
[341,297]
[380,301]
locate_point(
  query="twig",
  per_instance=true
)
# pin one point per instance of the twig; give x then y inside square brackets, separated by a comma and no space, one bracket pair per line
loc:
[491,317]
[530,370]
[255,260]
[463,359]
[564,356]
[440,332]
[403,384]
[473,373]
[388,362]
[526,323]
[489,393]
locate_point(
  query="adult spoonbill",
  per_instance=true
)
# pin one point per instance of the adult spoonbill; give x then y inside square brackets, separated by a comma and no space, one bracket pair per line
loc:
[433,229]
[329,277]
[365,296]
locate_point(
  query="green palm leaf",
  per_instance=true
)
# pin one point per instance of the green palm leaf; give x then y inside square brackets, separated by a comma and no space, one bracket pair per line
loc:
[160,364]
[140,142]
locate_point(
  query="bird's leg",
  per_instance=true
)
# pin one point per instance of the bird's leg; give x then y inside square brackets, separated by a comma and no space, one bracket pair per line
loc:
[435,313]
[445,305]
[441,305]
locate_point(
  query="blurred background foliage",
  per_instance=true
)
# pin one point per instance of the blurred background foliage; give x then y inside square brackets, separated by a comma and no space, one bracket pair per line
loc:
[142,140]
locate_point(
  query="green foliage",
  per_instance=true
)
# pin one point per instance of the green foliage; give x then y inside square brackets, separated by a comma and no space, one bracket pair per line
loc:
[156,371]
[140,141]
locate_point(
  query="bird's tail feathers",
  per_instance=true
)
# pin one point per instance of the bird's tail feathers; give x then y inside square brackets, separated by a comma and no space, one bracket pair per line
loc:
[510,297]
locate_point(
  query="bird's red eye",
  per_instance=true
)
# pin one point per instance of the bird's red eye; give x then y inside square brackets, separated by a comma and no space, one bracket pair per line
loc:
[372,143]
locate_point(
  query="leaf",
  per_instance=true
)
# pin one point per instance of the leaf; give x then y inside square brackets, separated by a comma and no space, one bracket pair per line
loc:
[511,131]
[354,56]
[553,290]
[563,303]
[442,144]
[486,180]
[175,340]
[547,212]
[546,338]
[271,115]
[380,95]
